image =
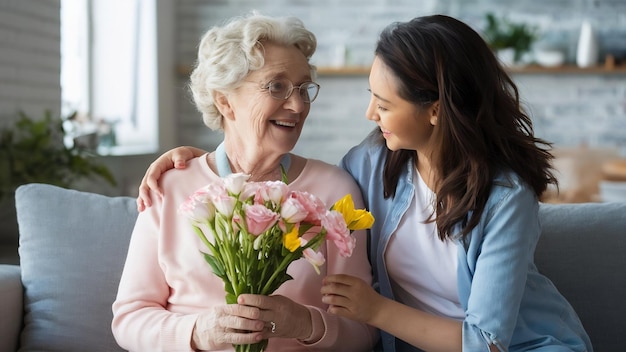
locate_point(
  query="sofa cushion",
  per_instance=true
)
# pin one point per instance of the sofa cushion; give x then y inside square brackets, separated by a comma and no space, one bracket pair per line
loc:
[72,249]
[11,295]
[581,249]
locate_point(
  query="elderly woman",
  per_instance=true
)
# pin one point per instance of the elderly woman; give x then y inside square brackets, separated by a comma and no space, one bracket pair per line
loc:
[252,80]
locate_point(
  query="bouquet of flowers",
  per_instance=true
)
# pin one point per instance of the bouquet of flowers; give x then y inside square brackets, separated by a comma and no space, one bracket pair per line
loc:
[254,230]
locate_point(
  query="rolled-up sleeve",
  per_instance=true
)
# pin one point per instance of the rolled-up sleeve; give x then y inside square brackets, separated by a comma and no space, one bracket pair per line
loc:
[493,281]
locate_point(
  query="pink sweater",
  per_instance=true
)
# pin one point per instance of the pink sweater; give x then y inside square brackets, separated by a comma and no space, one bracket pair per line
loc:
[166,281]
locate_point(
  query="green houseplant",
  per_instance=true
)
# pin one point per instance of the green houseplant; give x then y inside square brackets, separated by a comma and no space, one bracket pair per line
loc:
[502,34]
[32,150]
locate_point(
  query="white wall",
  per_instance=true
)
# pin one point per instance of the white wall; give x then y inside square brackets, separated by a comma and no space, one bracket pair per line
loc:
[30,58]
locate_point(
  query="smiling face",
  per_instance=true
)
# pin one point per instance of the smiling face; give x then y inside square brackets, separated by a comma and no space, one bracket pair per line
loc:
[253,118]
[403,124]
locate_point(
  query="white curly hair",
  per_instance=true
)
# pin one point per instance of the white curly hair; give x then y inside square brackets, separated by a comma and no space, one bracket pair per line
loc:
[228,53]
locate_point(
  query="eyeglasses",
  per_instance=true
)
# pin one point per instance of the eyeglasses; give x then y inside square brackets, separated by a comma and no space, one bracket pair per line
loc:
[281,89]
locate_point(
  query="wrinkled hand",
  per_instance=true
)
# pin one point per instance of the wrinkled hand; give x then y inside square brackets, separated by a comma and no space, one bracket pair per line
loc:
[292,320]
[173,158]
[351,297]
[228,324]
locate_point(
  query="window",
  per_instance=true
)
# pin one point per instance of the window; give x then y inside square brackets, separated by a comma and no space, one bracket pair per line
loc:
[109,72]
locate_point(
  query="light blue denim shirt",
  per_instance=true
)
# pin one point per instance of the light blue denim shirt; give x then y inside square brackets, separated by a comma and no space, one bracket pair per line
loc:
[507,302]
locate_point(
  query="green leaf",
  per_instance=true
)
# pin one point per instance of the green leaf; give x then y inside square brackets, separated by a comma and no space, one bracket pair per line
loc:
[500,33]
[283,174]
[230,297]
[304,227]
[216,265]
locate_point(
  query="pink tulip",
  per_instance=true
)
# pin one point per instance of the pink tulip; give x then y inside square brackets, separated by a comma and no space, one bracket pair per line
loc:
[292,210]
[314,206]
[335,225]
[259,219]
[249,190]
[346,246]
[315,258]
[338,232]
[224,204]
[196,211]
[271,191]
[210,191]
[235,183]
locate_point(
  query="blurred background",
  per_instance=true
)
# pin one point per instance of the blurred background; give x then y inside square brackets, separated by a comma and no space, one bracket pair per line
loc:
[115,73]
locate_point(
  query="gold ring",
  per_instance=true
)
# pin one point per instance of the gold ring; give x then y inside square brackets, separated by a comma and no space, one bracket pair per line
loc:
[273,326]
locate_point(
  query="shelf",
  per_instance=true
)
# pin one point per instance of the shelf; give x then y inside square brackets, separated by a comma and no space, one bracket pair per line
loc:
[128,150]
[344,71]
[569,69]
[529,69]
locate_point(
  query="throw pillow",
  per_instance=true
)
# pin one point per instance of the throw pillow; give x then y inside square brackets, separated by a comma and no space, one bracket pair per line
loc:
[72,251]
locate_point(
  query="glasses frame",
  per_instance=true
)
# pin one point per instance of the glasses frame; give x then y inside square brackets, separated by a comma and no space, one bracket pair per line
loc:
[292,87]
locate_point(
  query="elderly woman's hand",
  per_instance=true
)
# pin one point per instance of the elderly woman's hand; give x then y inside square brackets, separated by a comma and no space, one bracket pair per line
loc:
[174,158]
[284,317]
[227,324]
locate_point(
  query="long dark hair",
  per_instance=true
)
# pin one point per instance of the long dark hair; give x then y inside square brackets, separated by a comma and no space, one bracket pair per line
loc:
[481,126]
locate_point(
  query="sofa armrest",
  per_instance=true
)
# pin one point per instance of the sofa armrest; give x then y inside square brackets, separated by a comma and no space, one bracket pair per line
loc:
[11,306]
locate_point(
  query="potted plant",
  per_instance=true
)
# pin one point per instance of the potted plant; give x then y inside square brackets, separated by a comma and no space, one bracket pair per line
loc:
[32,150]
[503,35]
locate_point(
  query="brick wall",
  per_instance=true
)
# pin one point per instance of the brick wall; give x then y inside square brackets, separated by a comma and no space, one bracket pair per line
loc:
[30,58]
[574,110]
[568,109]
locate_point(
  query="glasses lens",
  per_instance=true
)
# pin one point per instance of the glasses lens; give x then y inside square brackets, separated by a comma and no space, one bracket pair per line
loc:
[280,89]
[308,91]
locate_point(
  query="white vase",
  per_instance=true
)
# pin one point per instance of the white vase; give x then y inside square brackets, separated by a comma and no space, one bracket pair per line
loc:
[588,50]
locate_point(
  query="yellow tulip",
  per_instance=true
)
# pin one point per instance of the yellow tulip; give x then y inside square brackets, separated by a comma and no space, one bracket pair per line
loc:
[291,240]
[356,219]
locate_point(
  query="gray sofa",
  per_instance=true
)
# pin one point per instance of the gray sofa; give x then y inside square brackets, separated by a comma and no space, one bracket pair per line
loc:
[73,245]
